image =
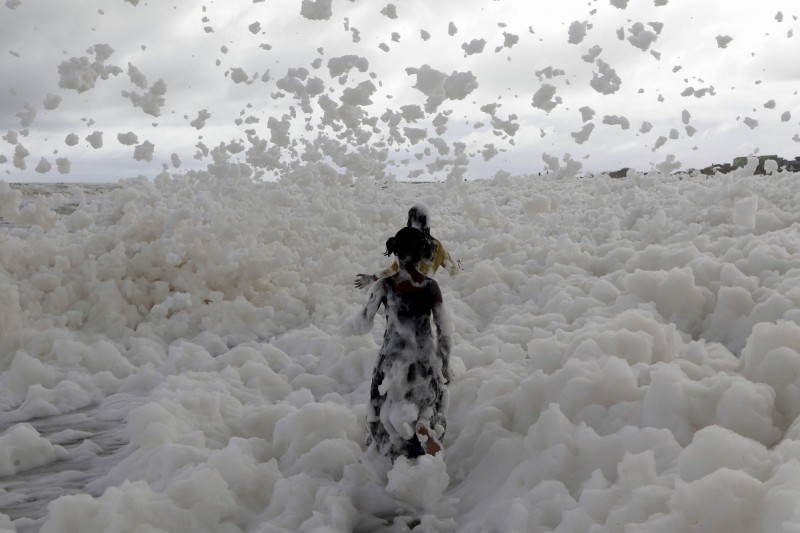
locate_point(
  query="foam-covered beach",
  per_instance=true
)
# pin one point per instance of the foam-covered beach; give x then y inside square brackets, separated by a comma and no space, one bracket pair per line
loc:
[626,356]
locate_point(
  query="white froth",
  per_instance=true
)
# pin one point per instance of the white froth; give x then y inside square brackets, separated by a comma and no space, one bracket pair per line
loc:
[144,151]
[128,139]
[577,32]
[22,448]
[95,139]
[51,101]
[316,9]
[723,40]
[44,166]
[622,348]
[605,81]
[545,97]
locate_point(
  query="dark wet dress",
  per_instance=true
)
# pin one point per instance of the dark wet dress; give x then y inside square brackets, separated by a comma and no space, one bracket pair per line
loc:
[408,382]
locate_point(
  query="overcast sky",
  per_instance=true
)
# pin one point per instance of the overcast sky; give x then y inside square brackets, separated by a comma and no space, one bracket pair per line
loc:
[698,80]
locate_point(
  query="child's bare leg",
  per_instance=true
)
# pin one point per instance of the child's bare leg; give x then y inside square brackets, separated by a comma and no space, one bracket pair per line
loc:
[427,438]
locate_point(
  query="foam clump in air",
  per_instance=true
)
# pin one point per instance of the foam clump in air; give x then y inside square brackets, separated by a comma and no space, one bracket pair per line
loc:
[669,165]
[458,85]
[489,151]
[415,135]
[12,137]
[63,165]
[128,139]
[587,113]
[26,116]
[577,32]
[279,130]
[202,116]
[545,98]
[340,66]
[549,72]
[44,166]
[606,80]
[438,86]
[81,75]
[20,153]
[593,53]
[316,9]
[51,101]
[583,135]
[77,73]
[298,83]
[750,122]
[569,169]
[723,40]
[475,46]
[510,39]
[359,95]
[95,139]
[150,102]
[137,77]
[640,37]
[239,75]
[616,120]
[509,127]
[144,151]
[390,11]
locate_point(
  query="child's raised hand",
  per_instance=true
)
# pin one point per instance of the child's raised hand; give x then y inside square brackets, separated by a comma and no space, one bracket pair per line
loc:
[364,280]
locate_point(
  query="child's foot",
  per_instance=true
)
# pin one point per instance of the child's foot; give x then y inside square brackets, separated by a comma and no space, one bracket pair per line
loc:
[427,438]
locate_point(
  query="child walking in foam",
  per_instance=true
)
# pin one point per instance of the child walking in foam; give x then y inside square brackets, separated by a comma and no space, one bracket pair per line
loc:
[408,398]
[418,217]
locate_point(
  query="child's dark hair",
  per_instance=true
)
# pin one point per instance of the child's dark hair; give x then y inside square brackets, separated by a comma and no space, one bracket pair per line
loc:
[411,243]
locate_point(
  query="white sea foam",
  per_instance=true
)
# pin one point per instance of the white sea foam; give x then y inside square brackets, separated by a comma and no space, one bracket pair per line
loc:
[622,349]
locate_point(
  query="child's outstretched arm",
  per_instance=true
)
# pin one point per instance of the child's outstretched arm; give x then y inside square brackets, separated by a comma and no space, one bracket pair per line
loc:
[444,331]
[365,280]
[453,267]
[442,258]
[361,323]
